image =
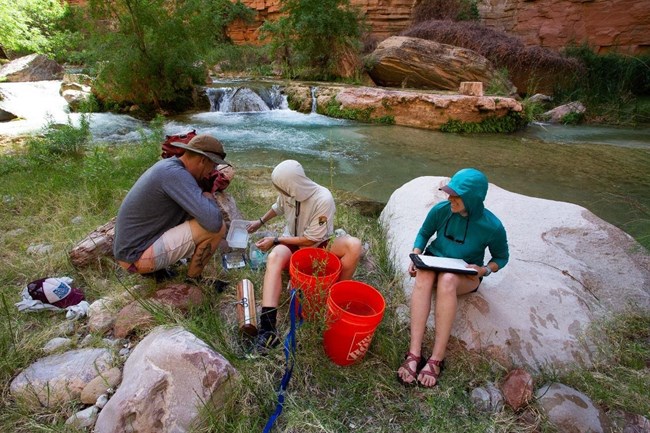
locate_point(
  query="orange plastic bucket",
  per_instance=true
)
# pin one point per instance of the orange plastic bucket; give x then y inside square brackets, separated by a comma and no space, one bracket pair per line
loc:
[354,309]
[314,270]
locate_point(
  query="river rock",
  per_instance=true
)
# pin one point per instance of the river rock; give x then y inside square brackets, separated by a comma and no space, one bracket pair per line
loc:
[517,388]
[34,67]
[167,379]
[175,295]
[6,116]
[57,343]
[557,114]
[84,418]
[570,410]
[100,384]
[58,379]
[102,313]
[536,309]
[402,61]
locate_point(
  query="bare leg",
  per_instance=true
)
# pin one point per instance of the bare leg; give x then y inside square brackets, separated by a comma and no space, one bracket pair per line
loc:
[206,244]
[420,309]
[276,262]
[348,250]
[449,287]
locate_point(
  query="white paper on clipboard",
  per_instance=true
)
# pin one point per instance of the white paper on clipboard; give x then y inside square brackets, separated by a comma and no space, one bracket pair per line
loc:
[447,264]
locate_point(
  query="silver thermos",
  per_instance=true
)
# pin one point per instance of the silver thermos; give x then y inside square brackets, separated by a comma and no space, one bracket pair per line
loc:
[246,312]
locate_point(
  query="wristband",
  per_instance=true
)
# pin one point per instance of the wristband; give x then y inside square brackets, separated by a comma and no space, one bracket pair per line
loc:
[261,221]
[488,271]
[276,241]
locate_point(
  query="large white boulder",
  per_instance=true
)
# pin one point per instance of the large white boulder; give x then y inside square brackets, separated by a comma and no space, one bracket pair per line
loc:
[167,380]
[567,268]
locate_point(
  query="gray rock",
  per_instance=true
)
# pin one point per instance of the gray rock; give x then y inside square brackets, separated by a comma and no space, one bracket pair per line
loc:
[56,343]
[6,116]
[557,114]
[58,379]
[570,410]
[34,67]
[101,401]
[84,418]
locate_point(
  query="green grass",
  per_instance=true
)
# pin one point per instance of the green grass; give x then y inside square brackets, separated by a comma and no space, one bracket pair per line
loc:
[42,196]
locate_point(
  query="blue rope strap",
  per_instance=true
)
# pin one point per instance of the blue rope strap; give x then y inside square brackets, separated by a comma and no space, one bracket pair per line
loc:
[289,354]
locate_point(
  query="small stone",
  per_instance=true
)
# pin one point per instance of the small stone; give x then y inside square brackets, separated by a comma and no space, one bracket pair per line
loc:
[101,401]
[77,220]
[56,343]
[86,340]
[65,328]
[84,418]
[39,249]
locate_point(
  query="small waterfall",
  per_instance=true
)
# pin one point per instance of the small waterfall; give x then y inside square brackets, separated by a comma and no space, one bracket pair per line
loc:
[314,101]
[246,99]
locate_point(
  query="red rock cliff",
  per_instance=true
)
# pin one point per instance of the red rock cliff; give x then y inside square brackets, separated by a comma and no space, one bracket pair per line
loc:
[604,24]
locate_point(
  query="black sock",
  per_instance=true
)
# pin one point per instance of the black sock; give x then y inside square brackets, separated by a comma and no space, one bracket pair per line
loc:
[268,319]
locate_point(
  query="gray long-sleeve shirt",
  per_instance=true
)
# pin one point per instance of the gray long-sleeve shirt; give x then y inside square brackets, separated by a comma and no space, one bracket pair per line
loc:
[162,198]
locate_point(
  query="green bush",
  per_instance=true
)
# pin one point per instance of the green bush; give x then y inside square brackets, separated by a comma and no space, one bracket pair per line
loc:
[254,60]
[611,86]
[151,53]
[29,26]
[313,35]
[61,140]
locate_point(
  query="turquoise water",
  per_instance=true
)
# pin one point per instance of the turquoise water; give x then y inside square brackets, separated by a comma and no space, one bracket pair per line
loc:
[606,170]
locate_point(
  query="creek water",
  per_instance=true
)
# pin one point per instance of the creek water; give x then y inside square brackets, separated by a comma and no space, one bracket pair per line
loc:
[606,170]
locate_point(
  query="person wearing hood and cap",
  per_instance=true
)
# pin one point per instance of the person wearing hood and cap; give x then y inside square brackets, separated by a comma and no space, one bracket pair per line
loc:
[463,229]
[309,212]
[166,216]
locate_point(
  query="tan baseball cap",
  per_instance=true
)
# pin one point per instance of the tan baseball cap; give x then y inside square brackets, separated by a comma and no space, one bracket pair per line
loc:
[205,145]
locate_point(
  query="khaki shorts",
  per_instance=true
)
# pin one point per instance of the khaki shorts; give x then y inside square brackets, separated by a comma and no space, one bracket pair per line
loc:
[175,244]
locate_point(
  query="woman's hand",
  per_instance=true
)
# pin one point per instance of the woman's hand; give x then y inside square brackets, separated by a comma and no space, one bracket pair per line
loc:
[265,244]
[479,269]
[412,270]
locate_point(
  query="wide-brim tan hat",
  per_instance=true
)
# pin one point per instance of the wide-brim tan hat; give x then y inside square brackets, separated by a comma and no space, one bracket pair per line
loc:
[205,145]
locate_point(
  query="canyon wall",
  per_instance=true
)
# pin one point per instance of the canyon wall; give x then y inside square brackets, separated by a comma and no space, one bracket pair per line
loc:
[603,24]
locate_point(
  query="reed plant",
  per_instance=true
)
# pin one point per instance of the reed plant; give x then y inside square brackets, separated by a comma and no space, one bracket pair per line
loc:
[52,202]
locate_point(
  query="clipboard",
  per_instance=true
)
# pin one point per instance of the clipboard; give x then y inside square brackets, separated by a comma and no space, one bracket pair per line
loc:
[446,264]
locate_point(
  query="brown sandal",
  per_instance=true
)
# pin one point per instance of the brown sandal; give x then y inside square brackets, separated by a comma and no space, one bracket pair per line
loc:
[440,363]
[410,357]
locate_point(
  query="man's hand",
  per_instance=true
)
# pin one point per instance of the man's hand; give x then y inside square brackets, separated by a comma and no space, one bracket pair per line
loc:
[253,226]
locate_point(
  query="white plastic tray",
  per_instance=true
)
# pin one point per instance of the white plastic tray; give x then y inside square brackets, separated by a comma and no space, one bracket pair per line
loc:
[237,235]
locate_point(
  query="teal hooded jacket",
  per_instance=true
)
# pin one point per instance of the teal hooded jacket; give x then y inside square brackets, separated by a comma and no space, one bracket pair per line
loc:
[465,237]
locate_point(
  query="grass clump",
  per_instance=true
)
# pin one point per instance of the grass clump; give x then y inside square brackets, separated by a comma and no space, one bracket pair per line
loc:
[333,109]
[510,123]
[321,396]
[614,86]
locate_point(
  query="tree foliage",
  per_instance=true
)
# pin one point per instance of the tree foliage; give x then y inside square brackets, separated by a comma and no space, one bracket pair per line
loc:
[29,26]
[150,52]
[312,36]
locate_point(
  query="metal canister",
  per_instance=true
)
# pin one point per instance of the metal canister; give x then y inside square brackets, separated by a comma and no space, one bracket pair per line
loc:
[246,312]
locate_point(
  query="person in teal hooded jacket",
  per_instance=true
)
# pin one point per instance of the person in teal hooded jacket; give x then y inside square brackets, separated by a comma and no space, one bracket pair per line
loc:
[463,229]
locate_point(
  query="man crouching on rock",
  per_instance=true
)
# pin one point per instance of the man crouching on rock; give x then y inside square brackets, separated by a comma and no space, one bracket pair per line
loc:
[166,216]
